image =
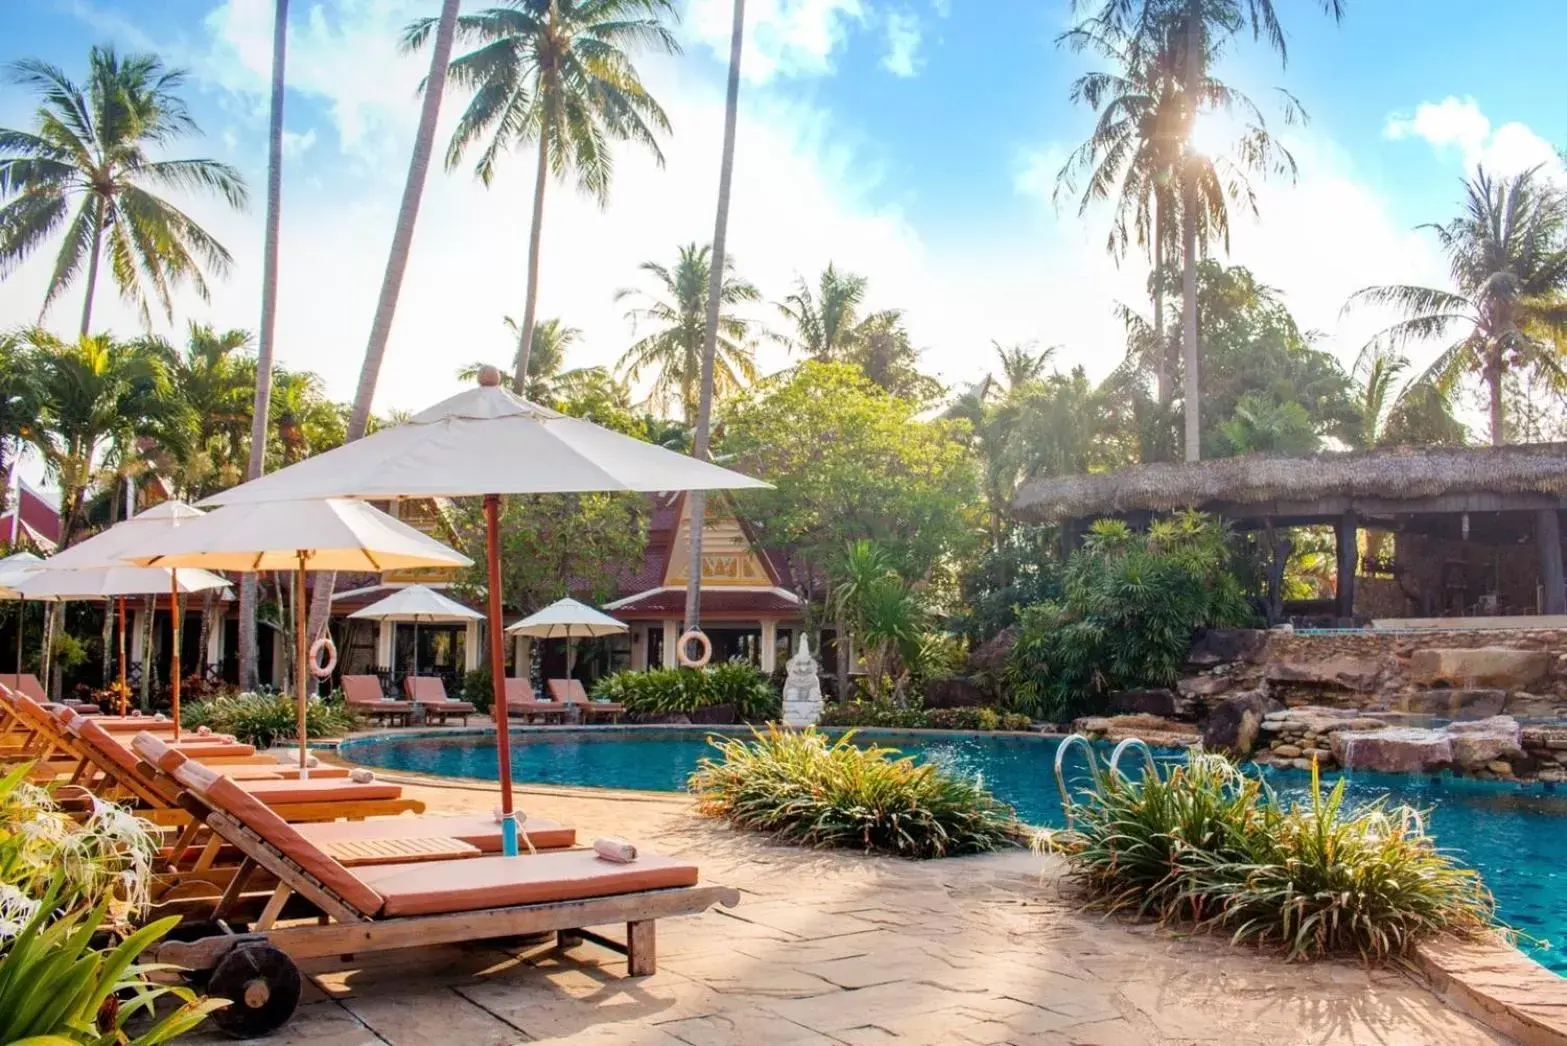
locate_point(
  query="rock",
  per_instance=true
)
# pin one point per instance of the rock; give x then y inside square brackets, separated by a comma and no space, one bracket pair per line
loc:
[1480,667]
[956,692]
[1159,702]
[992,655]
[1458,703]
[1500,767]
[1233,725]
[1219,646]
[1206,686]
[1394,749]
[1301,764]
[1287,751]
[1486,740]
[1157,731]
[1349,673]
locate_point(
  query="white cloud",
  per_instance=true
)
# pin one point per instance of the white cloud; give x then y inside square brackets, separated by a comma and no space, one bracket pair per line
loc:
[295,144]
[903,44]
[1459,124]
[784,38]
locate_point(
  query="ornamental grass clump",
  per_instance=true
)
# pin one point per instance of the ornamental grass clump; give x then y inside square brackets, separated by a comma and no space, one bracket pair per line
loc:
[1210,846]
[263,719]
[808,789]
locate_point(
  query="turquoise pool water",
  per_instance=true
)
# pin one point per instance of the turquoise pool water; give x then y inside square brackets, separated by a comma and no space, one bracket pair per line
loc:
[1516,837]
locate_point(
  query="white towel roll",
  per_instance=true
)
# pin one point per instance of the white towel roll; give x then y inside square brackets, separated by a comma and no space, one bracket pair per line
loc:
[615,849]
[359,775]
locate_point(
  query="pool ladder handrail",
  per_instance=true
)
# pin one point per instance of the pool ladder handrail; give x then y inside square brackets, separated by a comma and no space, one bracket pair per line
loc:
[1150,766]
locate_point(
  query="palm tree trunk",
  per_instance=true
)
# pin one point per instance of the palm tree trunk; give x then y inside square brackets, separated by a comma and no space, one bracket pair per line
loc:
[92,263]
[1493,379]
[396,265]
[715,289]
[262,408]
[535,235]
[1162,351]
[1193,356]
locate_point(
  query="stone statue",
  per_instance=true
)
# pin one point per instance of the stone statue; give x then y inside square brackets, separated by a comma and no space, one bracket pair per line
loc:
[802,691]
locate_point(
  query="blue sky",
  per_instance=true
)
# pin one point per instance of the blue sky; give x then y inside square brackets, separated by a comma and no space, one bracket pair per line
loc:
[914,141]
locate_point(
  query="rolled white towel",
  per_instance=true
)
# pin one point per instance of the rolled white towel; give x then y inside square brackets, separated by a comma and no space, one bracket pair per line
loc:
[204,731]
[359,775]
[615,849]
[516,815]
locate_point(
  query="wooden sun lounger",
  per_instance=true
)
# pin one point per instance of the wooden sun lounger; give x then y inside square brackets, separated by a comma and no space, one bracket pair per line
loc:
[521,701]
[398,905]
[571,692]
[363,694]
[429,693]
[27,683]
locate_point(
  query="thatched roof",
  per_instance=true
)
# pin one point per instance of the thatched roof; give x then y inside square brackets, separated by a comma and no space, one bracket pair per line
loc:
[1400,473]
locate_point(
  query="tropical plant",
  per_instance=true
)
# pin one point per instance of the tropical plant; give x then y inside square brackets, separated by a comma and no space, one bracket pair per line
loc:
[1414,412]
[305,421]
[264,719]
[826,319]
[678,312]
[744,687]
[737,684]
[885,615]
[212,380]
[1507,253]
[19,406]
[556,74]
[803,788]
[548,381]
[884,351]
[1206,844]
[91,146]
[891,717]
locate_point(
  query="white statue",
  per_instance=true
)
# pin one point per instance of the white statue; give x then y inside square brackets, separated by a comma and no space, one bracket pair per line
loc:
[802,690]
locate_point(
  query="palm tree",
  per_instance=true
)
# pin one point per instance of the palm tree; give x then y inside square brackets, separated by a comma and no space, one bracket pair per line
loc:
[91,145]
[1415,413]
[1507,253]
[212,380]
[261,409]
[547,380]
[674,350]
[556,74]
[19,407]
[1023,363]
[307,422]
[885,352]
[825,320]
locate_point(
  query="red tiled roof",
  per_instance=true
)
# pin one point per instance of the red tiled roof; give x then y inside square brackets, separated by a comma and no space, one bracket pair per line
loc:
[36,513]
[715,602]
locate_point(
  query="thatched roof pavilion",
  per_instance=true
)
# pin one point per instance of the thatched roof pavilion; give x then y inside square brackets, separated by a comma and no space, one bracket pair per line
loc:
[1503,495]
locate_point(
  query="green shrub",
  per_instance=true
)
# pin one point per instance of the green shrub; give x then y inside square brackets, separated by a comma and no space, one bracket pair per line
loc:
[890,717]
[263,719]
[745,687]
[478,689]
[804,788]
[1209,845]
[1130,604]
[685,691]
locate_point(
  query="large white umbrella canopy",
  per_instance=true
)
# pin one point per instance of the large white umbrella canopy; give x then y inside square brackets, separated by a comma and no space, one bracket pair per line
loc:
[417,604]
[108,582]
[14,569]
[567,619]
[487,442]
[112,547]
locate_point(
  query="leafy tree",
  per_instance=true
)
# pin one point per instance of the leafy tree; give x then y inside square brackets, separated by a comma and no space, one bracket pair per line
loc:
[885,614]
[213,378]
[556,74]
[19,406]
[1415,413]
[674,348]
[1507,253]
[305,422]
[90,149]
[883,350]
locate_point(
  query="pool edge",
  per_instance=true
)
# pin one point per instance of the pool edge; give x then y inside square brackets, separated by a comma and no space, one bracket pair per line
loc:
[1499,986]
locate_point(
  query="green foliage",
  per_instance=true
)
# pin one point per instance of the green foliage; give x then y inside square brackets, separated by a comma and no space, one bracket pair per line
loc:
[1023,569]
[685,691]
[804,788]
[478,688]
[1209,845]
[886,615]
[1130,603]
[891,717]
[264,719]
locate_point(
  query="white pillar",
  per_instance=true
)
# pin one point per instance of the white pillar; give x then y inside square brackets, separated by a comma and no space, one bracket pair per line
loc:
[215,639]
[671,637]
[280,664]
[385,632]
[641,635]
[137,625]
[769,645]
[470,647]
[519,659]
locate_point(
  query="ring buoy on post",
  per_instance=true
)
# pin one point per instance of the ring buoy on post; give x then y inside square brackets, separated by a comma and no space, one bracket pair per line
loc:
[317,668]
[694,636]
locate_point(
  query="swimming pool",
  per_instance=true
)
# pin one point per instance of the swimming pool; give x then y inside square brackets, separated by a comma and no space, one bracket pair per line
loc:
[1515,836]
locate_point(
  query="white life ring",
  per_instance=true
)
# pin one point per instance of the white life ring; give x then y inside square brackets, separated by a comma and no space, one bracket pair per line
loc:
[317,669]
[694,662]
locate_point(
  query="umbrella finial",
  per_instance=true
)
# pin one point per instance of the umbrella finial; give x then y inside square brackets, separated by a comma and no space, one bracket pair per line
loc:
[489,377]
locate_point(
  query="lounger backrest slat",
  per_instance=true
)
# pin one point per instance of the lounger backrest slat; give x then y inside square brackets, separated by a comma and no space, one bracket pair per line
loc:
[26,684]
[362,690]
[520,691]
[228,798]
[569,691]
[425,689]
[118,761]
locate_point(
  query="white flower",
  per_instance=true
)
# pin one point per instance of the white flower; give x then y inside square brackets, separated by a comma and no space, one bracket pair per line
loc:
[16,911]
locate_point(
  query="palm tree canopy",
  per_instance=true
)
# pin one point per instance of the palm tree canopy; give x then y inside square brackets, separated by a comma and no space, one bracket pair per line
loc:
[556,70]
[549,381]
[678,311]
[90,151]
[824,319]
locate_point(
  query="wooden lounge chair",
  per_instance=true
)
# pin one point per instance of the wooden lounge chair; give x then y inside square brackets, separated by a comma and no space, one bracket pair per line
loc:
[570,692]
[521,701]
[429,693]
[363,694]
[406,904]
[27,683]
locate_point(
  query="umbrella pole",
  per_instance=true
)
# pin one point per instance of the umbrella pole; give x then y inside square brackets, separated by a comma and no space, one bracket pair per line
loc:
[492,555]
[21,626]
[174,643]
[299,663]
[125,692]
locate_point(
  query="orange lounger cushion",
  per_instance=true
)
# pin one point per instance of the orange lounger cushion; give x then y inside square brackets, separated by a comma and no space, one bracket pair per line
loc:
[498,882]
[207,749]
[315,790]
[475,829]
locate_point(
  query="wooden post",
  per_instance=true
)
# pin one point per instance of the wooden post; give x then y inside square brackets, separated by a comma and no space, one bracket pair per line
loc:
[1548,534]
[641,951]
[174,651]
[1348,560]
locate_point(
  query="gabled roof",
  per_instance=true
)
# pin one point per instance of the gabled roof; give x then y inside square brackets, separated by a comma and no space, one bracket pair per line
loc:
[39,522]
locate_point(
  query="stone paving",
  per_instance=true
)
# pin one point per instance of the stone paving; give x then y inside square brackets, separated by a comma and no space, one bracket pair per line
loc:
[843,949]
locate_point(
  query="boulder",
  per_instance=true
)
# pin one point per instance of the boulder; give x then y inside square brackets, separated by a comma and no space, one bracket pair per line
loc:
[1206,685]
[1480,667]
[1222,646]
[991,656]
[1234,723]
[1157,731]
[1287,751]
[956,692]
[1486,741]
[1348,673]
[1458,703]
[1155,701]
[1394,749]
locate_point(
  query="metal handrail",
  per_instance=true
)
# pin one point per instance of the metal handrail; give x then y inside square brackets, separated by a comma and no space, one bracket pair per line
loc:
[1149,765]
[1093,771]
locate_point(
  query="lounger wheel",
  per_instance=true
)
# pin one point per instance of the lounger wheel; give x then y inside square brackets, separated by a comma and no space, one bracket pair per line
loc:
[262,985]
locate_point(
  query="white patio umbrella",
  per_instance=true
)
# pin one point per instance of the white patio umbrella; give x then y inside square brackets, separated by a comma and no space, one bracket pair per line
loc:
[486,442]
[300,536]
[96,569]
[569,620]
[14,569]
[416,604]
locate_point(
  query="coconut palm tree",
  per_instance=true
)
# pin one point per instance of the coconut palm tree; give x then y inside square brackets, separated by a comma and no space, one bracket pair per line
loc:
[307,421]
[547,378]
[1507,253]
[555,74]
[825,319]
[674,350]
[212,379]
[90,150]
